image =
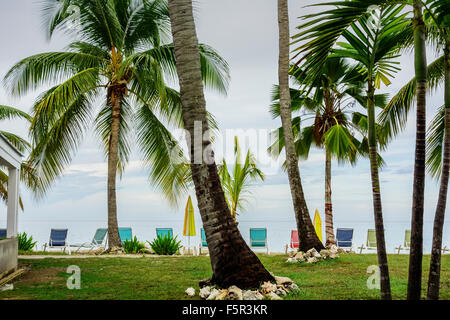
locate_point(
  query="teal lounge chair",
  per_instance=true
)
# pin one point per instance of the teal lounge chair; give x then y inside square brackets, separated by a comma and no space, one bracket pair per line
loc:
[97,241]
[203,243]
[125,234]
[258,239]
[162,232]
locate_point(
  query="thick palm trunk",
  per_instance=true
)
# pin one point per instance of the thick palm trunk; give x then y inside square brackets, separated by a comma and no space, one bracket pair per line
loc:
[329,228]
[116,95]
[232,261]
[415,260]
[435,264]
[385,284]
[307,235]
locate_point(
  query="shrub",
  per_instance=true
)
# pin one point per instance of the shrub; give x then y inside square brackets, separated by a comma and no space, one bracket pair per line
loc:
[133,246]
[166,245]
[26,244]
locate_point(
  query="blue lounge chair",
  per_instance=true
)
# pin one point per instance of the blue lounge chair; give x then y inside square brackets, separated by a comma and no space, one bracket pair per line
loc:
[258,239]
[203,243]
[2,233]
[162,232]
[97,241]
[344,237]
[125,234]
[58,240]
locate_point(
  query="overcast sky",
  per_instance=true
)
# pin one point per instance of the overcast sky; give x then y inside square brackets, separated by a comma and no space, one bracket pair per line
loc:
[245,33]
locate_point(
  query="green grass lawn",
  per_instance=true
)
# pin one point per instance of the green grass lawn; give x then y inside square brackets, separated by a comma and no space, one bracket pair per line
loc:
[168,277]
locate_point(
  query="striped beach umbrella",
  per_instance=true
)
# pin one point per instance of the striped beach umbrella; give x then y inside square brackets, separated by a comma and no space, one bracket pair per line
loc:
[318,225]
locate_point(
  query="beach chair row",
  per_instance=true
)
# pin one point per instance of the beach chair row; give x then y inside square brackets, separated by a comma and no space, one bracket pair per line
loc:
[344,240]
[59,238]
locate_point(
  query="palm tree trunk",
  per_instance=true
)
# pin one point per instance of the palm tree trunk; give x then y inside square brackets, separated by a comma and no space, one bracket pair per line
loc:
[435,264]
[115,97]
[232,261]
[307,235]
[385,284]
[415,260]
[329,228]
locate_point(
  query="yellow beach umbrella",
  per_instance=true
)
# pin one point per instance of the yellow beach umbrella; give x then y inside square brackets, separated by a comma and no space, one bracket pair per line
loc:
[189,222]
[318,225]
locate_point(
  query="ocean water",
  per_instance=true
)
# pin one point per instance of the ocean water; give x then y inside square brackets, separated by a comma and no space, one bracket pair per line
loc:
[81,231]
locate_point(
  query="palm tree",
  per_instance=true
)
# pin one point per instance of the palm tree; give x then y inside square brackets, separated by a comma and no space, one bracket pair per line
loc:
[335,93]
[307,235]
[236,184]
[439,14]
[395,116]
[123,53]
[232,261]
[372,40]
[28,175]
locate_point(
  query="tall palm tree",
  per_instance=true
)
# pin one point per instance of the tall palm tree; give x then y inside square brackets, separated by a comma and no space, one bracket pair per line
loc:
[232,261]
[28,175]
[439,12]
[236,184]
[307,235]
[336,125]
[395,117]
[372,40]
[123,55]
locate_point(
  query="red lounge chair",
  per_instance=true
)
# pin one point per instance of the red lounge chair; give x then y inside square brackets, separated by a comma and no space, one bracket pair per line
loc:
[294,241]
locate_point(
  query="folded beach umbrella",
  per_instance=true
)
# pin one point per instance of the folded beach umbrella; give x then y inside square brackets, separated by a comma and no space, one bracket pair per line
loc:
[318,225]
[189,221]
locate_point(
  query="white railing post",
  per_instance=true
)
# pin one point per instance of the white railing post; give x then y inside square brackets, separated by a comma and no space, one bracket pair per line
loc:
[13,202]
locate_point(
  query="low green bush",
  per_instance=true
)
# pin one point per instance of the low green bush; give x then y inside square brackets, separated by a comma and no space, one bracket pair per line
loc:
[165,245]
[26,244]
[133,246]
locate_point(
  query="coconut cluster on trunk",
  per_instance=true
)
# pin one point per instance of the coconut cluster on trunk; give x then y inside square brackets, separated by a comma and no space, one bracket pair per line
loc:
[268,290]
[312,256]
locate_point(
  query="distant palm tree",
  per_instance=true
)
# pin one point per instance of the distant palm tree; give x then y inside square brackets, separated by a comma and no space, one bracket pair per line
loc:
[337,124]
[236,184]
[27,174]
[232,261]
[372,40]
[123,55]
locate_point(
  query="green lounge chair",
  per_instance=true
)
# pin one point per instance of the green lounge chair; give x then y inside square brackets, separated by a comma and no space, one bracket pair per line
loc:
[125,234]
[258,239]
[406,243]
[163,232]
[203,243]
[97,241]
[371,243]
